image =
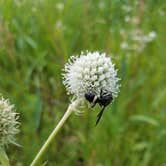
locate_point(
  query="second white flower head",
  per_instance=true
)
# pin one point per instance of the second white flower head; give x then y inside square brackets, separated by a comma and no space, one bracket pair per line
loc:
[9,126]
[91,72]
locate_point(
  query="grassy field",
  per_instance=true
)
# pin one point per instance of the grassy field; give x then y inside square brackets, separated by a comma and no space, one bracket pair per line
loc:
[36,40]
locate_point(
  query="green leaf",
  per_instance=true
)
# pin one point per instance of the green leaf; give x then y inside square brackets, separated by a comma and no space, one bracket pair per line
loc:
[145,119]
[30,41]
[140,146]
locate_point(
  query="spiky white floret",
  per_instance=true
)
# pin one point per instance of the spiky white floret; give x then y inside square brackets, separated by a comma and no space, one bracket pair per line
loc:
[90,72]
[8,123]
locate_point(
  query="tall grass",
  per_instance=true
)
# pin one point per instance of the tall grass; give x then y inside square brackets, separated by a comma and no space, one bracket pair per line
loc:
[36,39]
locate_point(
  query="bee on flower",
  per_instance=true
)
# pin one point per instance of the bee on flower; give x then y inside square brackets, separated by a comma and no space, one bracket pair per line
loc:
[92,76]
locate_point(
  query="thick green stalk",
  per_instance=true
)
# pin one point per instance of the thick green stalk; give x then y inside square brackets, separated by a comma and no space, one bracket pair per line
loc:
[4,158]
[70,109]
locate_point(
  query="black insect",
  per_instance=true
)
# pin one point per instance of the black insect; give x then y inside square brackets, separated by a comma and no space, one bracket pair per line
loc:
[103,100]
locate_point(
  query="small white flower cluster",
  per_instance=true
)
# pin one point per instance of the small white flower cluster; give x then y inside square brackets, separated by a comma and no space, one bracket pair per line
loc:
[101,5]
[60,6]
[90,72]
[59,25]
[8,123]
[127,8]
[161,12]
[133,38]
[138,40]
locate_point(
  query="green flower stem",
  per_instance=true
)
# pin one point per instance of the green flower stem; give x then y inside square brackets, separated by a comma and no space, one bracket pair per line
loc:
[4,158]
[70,109]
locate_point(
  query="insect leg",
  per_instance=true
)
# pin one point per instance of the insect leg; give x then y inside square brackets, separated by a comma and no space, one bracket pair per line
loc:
[93,105]
[94,101]
[99,115]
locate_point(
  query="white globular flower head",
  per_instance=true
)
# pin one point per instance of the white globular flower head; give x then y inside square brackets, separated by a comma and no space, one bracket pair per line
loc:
[90,72]
[8,123]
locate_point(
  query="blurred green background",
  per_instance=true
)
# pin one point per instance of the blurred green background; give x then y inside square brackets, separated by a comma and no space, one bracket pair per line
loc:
[36,39]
